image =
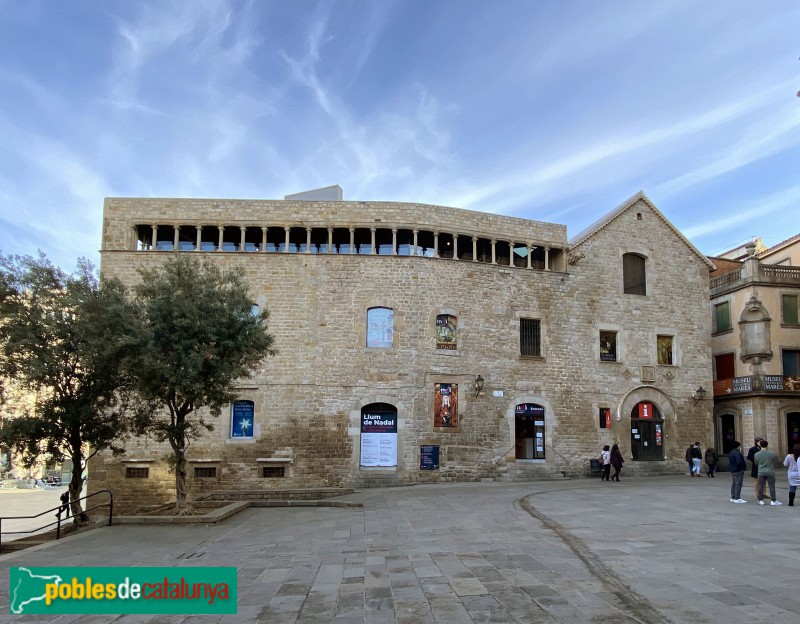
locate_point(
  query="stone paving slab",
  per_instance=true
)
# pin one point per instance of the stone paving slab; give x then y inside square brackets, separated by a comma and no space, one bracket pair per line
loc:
[655,550]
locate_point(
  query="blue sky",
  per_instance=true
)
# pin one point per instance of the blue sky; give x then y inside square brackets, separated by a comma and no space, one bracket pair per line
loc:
[555,111]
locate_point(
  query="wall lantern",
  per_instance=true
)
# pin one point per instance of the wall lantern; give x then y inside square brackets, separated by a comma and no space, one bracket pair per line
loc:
[699,394]
[478,385]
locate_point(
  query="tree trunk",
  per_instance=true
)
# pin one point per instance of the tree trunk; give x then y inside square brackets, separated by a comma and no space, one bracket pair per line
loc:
[180,480]
[76,489]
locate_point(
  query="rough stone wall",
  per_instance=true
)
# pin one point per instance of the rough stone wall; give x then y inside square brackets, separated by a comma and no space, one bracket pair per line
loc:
[308,398]
[676,303]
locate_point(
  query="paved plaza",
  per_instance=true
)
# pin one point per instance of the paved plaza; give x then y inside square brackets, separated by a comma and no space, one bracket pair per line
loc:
[656,550]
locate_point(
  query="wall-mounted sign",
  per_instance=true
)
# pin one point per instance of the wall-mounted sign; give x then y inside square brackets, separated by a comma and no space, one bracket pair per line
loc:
[742,384]
[429,457]
[645,410]
[773,382]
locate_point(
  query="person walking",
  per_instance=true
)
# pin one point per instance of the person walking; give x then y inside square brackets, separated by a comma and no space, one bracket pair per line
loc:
[605,457]
[688,458]
[736,466]
[753,468]
[765,460]
[697,459]
[794,472]
[711,461]
[616,461]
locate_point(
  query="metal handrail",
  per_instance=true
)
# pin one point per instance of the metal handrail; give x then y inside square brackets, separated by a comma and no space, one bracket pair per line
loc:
[57,522]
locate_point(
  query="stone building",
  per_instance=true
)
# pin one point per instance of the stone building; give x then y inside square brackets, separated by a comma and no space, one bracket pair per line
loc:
[756,347]
[422,343]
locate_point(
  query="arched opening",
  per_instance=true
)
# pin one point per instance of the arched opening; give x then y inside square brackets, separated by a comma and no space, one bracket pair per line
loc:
[647,432]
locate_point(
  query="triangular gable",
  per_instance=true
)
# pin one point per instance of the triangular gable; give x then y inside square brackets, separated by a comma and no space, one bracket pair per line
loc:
[624,206]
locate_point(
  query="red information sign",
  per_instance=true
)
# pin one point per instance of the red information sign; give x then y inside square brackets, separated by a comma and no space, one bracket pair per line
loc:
[645,410]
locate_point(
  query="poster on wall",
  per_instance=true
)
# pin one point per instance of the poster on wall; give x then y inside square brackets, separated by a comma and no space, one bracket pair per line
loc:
[446,332]
[445,405]
[379,439]
[380,328]
[242,418]
[429,457]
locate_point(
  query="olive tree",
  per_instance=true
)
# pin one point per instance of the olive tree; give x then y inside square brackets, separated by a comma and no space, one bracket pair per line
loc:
[200,334]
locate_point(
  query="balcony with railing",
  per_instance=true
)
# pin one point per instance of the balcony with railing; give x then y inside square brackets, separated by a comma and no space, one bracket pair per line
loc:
[765,274]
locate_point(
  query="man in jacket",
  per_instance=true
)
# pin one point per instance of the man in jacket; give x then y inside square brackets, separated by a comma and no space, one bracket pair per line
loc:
[736,466]
[765,460]
[753,468]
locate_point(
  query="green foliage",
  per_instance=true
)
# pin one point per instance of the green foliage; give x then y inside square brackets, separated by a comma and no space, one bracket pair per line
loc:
[64,339]
[199,336]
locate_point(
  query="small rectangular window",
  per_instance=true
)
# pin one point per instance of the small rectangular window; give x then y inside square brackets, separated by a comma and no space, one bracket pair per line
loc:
[665,354]
[137,473]
[530,337]
[274,472]
[608,346]
[722,317]
[605,418]
[790,309]
[205,472]
[791,363]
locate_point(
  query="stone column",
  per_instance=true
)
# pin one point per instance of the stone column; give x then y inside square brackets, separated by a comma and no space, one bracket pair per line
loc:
[221,229]
[373,251]
[199,244]
[436,244]
[241,238]
[394,241]
[494,255]
[455,246]
[415,252]
[176,239]
[330,240]
[474,248]
[530,253]
[155,238]
[264,239]
[546,258]
[308,240]
[286,245]
[352,240]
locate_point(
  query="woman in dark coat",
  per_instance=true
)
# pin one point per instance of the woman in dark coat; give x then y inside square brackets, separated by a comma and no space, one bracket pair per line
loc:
[616,461]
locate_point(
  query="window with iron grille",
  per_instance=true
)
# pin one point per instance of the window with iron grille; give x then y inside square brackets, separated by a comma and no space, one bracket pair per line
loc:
[137,473]
[205,472]
[530,337]
[274,472]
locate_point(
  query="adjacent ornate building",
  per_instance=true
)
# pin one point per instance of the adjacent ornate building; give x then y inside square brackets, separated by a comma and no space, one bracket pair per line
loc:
[422,343]
[756,346]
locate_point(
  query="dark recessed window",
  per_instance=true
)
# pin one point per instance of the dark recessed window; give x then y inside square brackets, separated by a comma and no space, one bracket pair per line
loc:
[205,472]
[137,473]
[608,346]
[530,337]
[274,472]
[634,276]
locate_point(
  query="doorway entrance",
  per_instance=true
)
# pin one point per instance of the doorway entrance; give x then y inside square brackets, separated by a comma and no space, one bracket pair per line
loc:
[726,433]
[792,430]
[529,431]
[647,432]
